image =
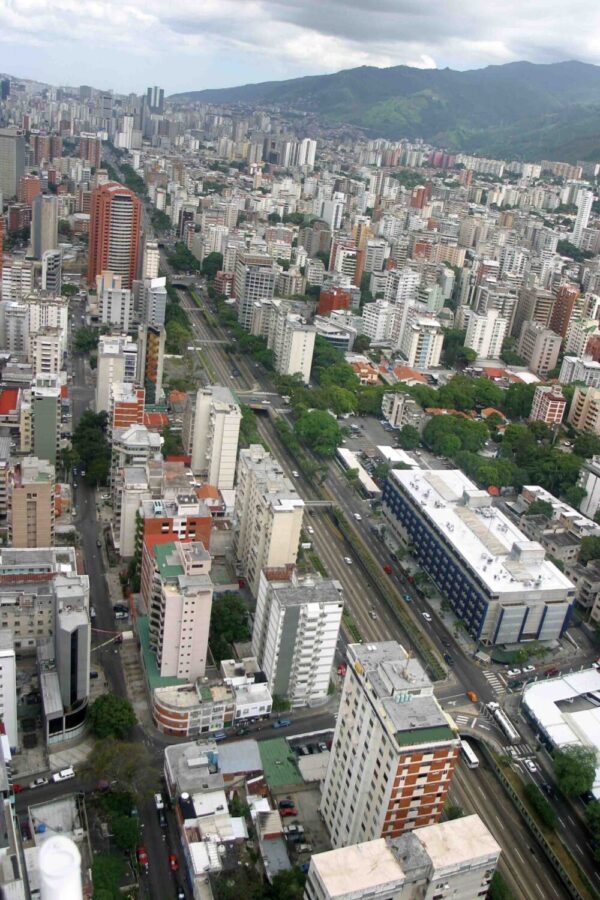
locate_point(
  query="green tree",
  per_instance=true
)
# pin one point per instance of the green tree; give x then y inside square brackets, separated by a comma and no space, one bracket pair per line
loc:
[91,446]
[589,549]
[567,248]
[320,432]
[454,352]
[126,832]
[362,342]
[453,811]
[178,338]
[129,765]
[586,445]
[111,716]
[85,340]
[540,508]
[540,805]
[499,889]
[107,873]
[212,264]
[518,400]
[228,624]
[68,290]
[409,438]
[274,218]
[575,769]
[172,445]
[287,885]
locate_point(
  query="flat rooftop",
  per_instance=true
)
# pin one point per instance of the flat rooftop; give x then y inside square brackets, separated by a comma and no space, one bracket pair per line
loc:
[450,844]
[490,544]
[279,763]
[359,868]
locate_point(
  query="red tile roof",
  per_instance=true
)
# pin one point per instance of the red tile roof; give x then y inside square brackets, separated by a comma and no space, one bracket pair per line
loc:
[9,399]
[156,420]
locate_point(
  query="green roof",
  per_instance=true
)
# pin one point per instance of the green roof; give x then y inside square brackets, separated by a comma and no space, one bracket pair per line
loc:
[424,735]
[162,552]
[149,658]
[279,763]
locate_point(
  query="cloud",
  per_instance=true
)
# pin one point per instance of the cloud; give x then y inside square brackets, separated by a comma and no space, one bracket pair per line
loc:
[200,43]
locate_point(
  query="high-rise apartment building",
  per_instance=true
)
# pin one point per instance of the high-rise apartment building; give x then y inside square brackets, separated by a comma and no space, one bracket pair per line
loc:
[90,149]
[17,278]
[584,414]
[577,368]
[31,504]
[115,219]
[485,333]
[46,350]
[45,416]
[126,407]
[155,100]
[44,224]
[8,686]
[214,434]
[295,634]
[151,262]
[117,361]
[548,405]
[151,347]
[292,341]
[564,304]
[28,189]
[255,276]
[52,271]
[393,752]
[268,515]
[154,301]
[180,606]
[12,161]
[539,347]
[114,301]
[422,342]
[585,199]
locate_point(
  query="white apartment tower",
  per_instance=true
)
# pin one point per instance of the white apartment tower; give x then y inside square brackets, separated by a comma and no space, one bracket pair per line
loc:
[295,633]
[585,199]
[115,302]
[45,350]
[393,752]
[422,343]
[215,435]
[255,277]
[117,361]
[268,514]
[154,301]
[8,686]
[151,263]
[486,333]
[52,271]
[292,342]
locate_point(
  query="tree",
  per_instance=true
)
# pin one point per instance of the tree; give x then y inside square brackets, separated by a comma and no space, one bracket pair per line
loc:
[518,400]
[68,290]
[453,811]
[409,438]
[64,228]
[86,340]
[362,342]
[178,338]
[130,765]
[319,431]
[287,885]
[586,445]
[172,445]
[498,888]
[107,873]
[126,832]
[212,264]
[589,549]
[540,508]
[111,716]
[575,769]
[567,248]
[228,623]
[540,805]
[91,446]
[274,218]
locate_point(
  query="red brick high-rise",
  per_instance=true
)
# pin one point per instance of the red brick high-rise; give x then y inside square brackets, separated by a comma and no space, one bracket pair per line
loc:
[562,310]
[333,298]
[29,187]
[90,149]
[115,222]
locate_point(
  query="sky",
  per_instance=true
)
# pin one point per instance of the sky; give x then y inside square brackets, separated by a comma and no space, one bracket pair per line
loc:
[126,45]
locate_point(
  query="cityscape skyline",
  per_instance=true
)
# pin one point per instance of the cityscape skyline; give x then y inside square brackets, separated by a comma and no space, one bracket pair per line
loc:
[268,40]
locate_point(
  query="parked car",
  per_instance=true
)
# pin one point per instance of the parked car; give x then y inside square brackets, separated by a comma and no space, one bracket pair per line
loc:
[284,813]
[512,672]
[407,598]
[121,615]
[94,675]
[448,659]
[98,543]
[64,774]
[142,857]
[287,804]
[387,569]
[322,746]
[219,736]
[281,723]
[162,819]
[17,788]
[158,801]
[293,829]
[528,669]
[173,864]
[304,848]
[310,529]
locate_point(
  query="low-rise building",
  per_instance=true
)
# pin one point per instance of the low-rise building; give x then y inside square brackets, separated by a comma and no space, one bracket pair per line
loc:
[400,409]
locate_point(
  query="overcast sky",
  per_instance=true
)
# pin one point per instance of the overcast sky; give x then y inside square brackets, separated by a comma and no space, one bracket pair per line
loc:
[192,44]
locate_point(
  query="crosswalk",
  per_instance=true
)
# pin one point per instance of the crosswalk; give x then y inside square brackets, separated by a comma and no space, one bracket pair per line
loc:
[495,683]
[521,750]
[461,719]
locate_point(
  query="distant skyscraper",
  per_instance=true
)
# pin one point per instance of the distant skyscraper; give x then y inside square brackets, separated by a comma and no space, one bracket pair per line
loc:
[12,161]
[4,88]
[584,208]
[151,260]
[52,271]
[155,100]
[44,224]
[115,214]
[90,149]
[155,301]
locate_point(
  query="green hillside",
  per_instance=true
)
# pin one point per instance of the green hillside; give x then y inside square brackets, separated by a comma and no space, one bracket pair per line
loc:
[519,109]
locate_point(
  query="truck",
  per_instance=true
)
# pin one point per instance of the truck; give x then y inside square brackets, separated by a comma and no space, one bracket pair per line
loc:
[504,722]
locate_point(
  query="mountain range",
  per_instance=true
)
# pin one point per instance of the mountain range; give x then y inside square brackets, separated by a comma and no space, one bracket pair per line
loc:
[518,110]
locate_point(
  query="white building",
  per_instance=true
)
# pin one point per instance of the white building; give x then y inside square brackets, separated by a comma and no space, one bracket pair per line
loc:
[17,278]
[379,321]
[292,342]
[45,348]
[114,301]
[389,725]
[155,301]
[117,361]
[589,480]
[295,633]
[422,343]
[268,515]
[255,277]
[485,333]
[151,263]
[14,327]
[8,685]
[216,428]
[454,859]
[52,271]
[584,207]
[577,368]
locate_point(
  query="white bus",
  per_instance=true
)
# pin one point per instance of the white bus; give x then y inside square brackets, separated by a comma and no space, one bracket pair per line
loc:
[469,754]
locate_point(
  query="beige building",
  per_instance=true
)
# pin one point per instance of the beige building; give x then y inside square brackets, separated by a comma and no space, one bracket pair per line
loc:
[46,351]
[454,859]
[292,342]
[548,405]
[539,347]
[213,430]
[422,343]
[584,414]
[268,514]
[31,504]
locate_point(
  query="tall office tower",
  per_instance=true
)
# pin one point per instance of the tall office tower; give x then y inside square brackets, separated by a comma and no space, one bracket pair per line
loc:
[155,100]
[255,276]
[393,752]
[295,633]
[584,207]
[154,304]
[268,515]
[115,216]
[44,224]
[12,161]
[72,641]
[4,88]
[114,301]
[45,417]
[216,428]
[52,271]
[31,504]
[151,263]
[117,361]
[8,686]
[151,352]
[562,310]
[90,149]
[307,152]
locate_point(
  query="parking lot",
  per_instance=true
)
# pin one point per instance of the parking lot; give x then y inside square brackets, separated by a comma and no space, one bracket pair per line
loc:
[310,831]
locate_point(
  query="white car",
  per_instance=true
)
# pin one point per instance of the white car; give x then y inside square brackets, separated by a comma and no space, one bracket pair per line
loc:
[295,474]
[512,672]
[531,766]
[357,516]
[426,616]
[528,669]
[310,529]
[373,614]
[64,774]
[347,560]
[39,782]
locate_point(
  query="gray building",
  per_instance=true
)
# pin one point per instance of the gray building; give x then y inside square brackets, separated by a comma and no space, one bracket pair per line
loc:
[44,224]
[12,161]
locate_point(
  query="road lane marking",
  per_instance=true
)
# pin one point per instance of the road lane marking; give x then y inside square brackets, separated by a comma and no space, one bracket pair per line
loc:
[519,855]
[499,822]
[561,821]
[579,848]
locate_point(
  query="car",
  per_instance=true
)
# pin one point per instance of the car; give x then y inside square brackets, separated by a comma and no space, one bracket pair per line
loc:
[547,789]
[527,669]
[357,516]
[121,615]
[284,813]
[322,746]
[158,801]
[142,857]
[407,598]
[387,569]
[446,644]
[373,614]
[219,736]
[120,607]
[162,819]
[294,828]
[98,543]
[531,765]
[348,560]
[304,848]
[512,672]
[281,723]
[448,659]
[426,616]
[173,864]
[180,894]
[94,675]
[241,731]
[266,402]
[295,473]
[287,804]
[310,529]
[64,774]
[17,788]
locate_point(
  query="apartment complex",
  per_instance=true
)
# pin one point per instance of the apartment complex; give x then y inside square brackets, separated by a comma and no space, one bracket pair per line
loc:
[539,347]
[393,752]
[8,687]
[485,333]
[548,405]
[31,504]
[115,221]
[498,582]
[255,277]
[584,414]
[212,429]
[295,633]
[268,515]
[117,361]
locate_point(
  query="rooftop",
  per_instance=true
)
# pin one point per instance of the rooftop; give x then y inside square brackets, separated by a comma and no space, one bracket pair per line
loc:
[359,868]
[279,763]
[459,841]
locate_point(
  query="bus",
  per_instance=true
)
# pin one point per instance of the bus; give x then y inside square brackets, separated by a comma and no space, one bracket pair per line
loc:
[469,754]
